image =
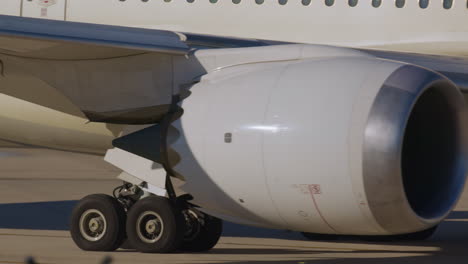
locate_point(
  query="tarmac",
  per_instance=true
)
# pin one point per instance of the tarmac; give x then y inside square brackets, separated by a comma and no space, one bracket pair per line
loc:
[39,187]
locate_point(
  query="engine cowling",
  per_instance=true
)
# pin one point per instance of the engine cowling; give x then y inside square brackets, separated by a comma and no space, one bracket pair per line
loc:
[335,145]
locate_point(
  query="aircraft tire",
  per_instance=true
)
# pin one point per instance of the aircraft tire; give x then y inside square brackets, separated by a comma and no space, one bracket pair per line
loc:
[320,237]
[207,234]
[98,223]
[155,225]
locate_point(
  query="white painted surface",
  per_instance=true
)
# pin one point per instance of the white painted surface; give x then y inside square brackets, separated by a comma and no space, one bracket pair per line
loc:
[159,191]
[306,151]
[276,145]
[10,7]
[144,169]
[431,30]
[238,106]
[297,126]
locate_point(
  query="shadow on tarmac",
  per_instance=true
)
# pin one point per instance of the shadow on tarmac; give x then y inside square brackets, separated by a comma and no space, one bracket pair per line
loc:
[56,216]
[36,216]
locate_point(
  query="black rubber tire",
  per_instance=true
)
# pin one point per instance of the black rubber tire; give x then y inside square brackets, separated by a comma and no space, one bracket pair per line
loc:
[208,236]
[320,237]
[172,220]
[114,215]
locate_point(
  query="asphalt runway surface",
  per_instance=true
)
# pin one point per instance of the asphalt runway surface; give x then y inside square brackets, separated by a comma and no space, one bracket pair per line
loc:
[38,189]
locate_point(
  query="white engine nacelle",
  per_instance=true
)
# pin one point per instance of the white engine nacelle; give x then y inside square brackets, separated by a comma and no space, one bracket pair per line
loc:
[337,145]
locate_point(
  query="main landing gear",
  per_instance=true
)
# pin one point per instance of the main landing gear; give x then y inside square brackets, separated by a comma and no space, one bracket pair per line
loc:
[150,223]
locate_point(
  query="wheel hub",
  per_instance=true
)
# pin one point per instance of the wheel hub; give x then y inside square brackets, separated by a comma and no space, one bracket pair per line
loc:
[150,227]
[93,225]
[96,224]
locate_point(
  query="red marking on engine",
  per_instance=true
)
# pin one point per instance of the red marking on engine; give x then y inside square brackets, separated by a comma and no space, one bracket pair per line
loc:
[315,189]
[47,3]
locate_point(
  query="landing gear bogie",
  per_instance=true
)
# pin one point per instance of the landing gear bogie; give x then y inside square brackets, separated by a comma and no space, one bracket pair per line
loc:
[148,223]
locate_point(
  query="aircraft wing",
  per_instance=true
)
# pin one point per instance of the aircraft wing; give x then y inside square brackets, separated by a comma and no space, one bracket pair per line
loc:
[130,75]
[101,53]
[135,39]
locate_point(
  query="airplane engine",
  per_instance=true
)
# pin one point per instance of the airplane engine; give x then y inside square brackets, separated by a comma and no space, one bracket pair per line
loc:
[344,145]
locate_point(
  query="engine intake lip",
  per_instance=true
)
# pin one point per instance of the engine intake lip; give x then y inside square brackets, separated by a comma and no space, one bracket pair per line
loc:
[405,130]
